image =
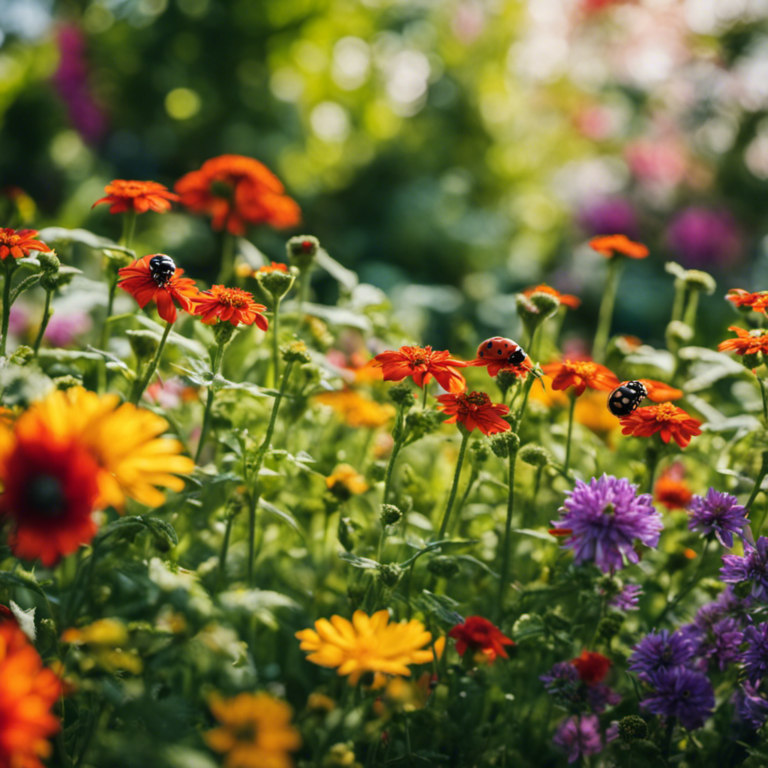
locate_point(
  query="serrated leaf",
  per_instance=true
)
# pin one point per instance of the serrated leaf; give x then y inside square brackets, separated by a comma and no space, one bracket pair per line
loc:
[440,606]
[164,532]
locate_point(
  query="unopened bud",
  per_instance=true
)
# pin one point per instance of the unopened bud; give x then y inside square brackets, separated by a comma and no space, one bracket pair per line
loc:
[346,533]
[443,566]
[377,471]
[49,262]
[700,281]
[390,574]
[535,455]
[679,331]
[481,451]
[632,728]
[143,343]
[401,394]
[22,355]
[295,352]
[390,514]
[276,283]
[302,250]
[67,382]
[505,444]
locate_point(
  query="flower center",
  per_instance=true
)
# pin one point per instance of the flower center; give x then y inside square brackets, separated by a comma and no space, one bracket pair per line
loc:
[665,412]
[222,189]
[232,297]
[474,398]
[246,732]
[45,496]
[581,368]
[9,239]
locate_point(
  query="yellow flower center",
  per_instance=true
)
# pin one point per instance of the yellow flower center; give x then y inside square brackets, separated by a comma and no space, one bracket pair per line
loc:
[11,240]
[665,412]
[232,297]
[583,368]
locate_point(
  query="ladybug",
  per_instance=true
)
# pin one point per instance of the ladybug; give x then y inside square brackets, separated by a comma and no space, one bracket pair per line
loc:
[162,268]
[499,349]
[626,397]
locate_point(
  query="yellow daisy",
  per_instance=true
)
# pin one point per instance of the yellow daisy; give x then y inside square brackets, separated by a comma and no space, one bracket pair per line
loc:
[355,409]
[345,482]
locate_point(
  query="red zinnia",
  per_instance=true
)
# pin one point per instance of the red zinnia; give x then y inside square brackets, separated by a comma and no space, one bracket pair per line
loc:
[610,245]
[138,281]
[480,635]
[137,196]
[671,490]
[580,374]
[19,243]
[573,302]
[666,419]
[233,304]
[741,298]
[746,342]
[592,667]
[421,364]
[474,410]
[236,191]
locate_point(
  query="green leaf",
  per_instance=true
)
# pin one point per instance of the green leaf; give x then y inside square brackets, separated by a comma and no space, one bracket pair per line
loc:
[441,607]
[21,578]
[358,562]
[114,363]
[339,316]
[346,277]
[164,533]
[543,535]
[286,517]
[82,236]
[25,285]
[195,347]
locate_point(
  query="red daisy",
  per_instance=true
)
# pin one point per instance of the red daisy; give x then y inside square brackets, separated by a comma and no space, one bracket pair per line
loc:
[232,304]
[474,410]
[610,245]
[592,667]
[19,243]
[666,419]
[480,635]
[421,364]
[137,196]
[580,374]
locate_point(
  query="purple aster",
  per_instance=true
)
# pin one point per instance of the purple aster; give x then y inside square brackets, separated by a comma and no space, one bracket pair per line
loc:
[613,214]
[756,656]
[681,693]
[751,706]
[718,513]
[726,604]
[720,645]
[658,651]
[601,696]
[562,682]
[753,566]
[579,735]
[604,519]
[627,599]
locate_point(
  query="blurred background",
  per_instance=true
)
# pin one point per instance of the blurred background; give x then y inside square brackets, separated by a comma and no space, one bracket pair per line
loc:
[452,152]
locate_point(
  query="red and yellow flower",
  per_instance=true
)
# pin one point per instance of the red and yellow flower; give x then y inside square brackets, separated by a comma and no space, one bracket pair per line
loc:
[741,298]
[580,374]
[474,410]
[591,666]
[610,245]
[421,364]
[667,419]
[137,197]
[479,635]
[19,243]
[229,304]
[746,342]
[566,299]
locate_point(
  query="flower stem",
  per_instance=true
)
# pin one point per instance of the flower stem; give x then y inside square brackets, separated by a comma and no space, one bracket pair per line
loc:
[606,309]
[225,549]
[129,227]
[110,305]
[444,525]
[679,304]
[526,392]
[570,434]
[141,384]
[276,340]
[758,482]
[10,268]
[652,462]
[218,356]
[765,399]
[47,313]
[303,294]
[227,268]
[687,588]
[505,554]
[691,309]
[398,434]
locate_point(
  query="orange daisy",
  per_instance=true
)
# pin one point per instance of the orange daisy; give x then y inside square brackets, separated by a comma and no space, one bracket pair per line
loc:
[666,419]
[573,302]
[233,304]
[274,266]
[139,281]
[421,364]
[28,691]
[660,392]
[474,410]
[741,298]
[746,342]
[137,196]
[671,490]
[592,667]
[580,374]
[237,191]
[19,243]
[610,245]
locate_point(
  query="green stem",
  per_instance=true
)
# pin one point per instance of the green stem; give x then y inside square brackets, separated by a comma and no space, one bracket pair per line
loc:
[677,308]
[691,309]
[141,383]
[652,462]
[303,294]
[227,267]
[398,433]
[110,306]
[505,553]
[129,227]
[10,268]
[225,549]
[758,482]
[444,525]
[424,397]
[765,399]
[526,392]
[570,433]
[44,322]
[606,309]
[275,340]
[688,587]
[218,356]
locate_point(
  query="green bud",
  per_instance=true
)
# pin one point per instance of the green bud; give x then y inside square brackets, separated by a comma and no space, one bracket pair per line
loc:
[401,394]
[295,352]
[377,471]
[341,755]
[609,586]
[609,626]
[118,259]
[276,283]
[481,451]
[505,380]
[545,303]
[223,332]
[505,444]
[632,728]
[310,373]
[700,281]
[49,262]
[236,503]
[535,455]
[390,514]
[421,423]
[143,343]
[67,382]
[49,281]
[390,574]
[443,566]
[679,331]
[22,355]
[302,250]
[346,533]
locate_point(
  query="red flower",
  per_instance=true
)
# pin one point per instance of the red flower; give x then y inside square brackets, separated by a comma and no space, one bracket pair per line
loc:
[610,245]
[19,243]
[137,196]
[580,374]
[741,298]
[237,191]
[666,419]
[138,281]
[592,667]
[480,635]
[746,342]
[421,364]
[233,304]
[671,490]
[474,410]
[573,302]
[660,392]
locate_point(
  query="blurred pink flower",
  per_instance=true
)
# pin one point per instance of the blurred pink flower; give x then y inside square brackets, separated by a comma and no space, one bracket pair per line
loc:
[166,394]
[657,162]
[63,329]
[616,215]
[705,237]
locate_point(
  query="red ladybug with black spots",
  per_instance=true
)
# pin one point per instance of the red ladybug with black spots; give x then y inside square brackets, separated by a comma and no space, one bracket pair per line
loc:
[501,350]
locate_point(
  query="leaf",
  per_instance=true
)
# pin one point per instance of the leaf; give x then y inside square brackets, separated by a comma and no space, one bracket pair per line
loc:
[164,533]
[339,316]
[82,236]
[67,355]
[21,578]
[441,607]
[346,277]
[195,347]
[358,562]
[543,535]
[648,357]
[25,285]
[286,517]
[115,363]
[251,253]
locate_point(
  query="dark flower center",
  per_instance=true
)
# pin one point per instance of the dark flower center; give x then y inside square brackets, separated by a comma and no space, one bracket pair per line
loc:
[222,189]
[246,732]
[45,496]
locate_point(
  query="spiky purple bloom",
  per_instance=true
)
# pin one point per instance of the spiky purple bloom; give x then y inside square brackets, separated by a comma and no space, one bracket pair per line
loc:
[753,566]
[627,599]
[755,658]
[601,696]
[681,693]
[564,685]
[605,518]
[658,651]
[751,707]
[720,646]
[579,735]
[719,513]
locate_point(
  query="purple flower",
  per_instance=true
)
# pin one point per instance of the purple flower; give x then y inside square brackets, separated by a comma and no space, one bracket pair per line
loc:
[720,645]
[704,237]
[605,517]
[681,693]
[658,651]
[753,566]
[601,696]
[627,599]
[718,513]
[751,706]
[756,656]
[564,685]
[579,735]
[614,215]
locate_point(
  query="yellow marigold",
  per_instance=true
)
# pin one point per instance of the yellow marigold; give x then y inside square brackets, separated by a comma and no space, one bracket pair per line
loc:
[591,410]
[542,392]
[346,481]
[123,439]
[366,644]
[255,731]
[356,409]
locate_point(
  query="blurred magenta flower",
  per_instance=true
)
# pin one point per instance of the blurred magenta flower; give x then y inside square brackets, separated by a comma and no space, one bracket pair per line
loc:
[705,237]
[64,330]
[614,215]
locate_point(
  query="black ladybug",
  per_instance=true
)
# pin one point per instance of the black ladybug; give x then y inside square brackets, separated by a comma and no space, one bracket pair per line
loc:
[162,268]
[626,397]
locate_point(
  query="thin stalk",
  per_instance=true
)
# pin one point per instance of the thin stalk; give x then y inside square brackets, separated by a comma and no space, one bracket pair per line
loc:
[9,270]
[424,396]
[276,340]
[110,307]
[141,383]
[218,356]
[129,227]
[677,307]
[505,554]
[303,294]
[526,391]
[570,434]
[691,309]
[606,309]
[758,482]
[444,525]
[398,433]
[225,549]
[765,399]
[227,268]
[652,462]
[44,323]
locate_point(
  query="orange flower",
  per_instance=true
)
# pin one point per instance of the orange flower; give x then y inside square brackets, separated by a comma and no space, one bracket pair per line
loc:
[236,191]
[660,392]
[592,667]
[28,691]
[421,364]
[233,304]
[19,243]
[274,266]
[580,374]
[671,490]
[137,196]
[138,280]
[474,410]
[666,419]
[746,342]
[574,302]
[355,409]
[610,245]
[741,298]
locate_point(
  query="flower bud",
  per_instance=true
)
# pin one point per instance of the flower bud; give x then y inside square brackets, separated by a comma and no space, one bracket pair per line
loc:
[609,626]
[276,283]
[49,281]
[118,259]
[49,262]
[223,332]
[443,566]
[346,533]
[143,343]
[679,331]
[302,250]
[67,382]
[545,303]
[505,444]
[341,756]
[390,514]
[481,451]
[505,380]
[632,728]
[295,352]
[697,280]
[535,455]
[389,574]
[421,423]
[377,471]
[21,355]
[400,394]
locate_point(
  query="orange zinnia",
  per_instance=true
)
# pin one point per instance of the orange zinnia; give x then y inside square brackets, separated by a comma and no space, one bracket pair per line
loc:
[28,691]
[274,266]
[660,392]
[474,410]
[741,298]
[671,490]
[421,364]
[666,419]
[233,304]
[137,196]
[19,243]
[580,374]
[236,191]
[610,245]
[574,302]
[746,342]
[137,279]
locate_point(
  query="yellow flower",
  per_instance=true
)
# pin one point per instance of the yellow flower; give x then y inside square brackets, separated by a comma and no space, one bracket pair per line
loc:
[255,731]
[591,410]
[105,639]
[366,644]
[357,410]
[345,482]
[123,439]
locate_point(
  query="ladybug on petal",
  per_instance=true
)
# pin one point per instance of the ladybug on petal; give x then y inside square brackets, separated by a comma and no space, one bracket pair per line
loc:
[499,352]
[626,398]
